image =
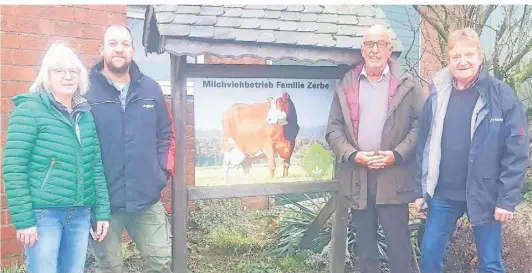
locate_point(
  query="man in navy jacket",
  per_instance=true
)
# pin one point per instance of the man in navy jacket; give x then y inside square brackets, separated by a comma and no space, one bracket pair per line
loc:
[136,134]
[472,155]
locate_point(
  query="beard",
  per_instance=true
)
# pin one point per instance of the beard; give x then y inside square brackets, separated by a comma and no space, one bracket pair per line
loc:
[117,70]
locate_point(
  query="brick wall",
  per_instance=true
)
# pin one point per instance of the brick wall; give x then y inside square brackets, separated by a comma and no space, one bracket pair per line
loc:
[429,50]
[26,33]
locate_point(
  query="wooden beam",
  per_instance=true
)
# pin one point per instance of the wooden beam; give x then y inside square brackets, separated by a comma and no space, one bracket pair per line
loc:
[179,188]
[339,235]
[248,190]
[316,225]
[265,71]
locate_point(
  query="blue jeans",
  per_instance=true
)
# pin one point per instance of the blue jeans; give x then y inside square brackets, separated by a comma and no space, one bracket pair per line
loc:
[63,235]
[441,223]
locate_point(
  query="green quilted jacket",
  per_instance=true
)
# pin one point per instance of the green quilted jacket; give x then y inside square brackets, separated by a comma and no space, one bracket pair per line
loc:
[50,162]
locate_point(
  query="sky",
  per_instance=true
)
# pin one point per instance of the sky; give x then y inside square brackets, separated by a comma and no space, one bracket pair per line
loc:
[312,105]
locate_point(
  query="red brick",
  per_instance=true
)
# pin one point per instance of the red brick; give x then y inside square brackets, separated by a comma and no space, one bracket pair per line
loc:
[90,59]
[6,105]
[54,12]
[6,10]
[34,42]
[11,247]
[5,121]
[9,40]
[7,56]
[95,17]
[8,23]
[255,202]
[3,139]
[91,31]
[90,47]
[67,29]
[190,180]
[25,24]
[3,201]
[108,8]
[5,217]
[11,88]
[117,18]
[33,11]
[46,27]
[8,233]
[63,13]
[10,261]
[27,57]
[18,73]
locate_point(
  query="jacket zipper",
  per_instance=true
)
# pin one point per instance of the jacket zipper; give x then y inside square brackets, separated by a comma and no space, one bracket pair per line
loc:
[102,102]
[48,173]
[78,134]
[399,102]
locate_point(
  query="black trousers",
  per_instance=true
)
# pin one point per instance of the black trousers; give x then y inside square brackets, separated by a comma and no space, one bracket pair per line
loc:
[394,221]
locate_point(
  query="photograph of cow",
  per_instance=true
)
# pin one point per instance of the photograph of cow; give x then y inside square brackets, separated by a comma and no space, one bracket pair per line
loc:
[262,134]
[254,131]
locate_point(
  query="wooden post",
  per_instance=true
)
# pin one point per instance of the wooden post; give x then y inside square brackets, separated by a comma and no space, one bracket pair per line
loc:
[339,235]
[179,183]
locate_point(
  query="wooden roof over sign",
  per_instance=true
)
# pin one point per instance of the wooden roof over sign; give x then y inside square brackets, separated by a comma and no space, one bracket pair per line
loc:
[311,33]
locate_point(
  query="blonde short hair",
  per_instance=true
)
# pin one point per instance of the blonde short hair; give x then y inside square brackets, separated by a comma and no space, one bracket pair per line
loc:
[464,35]
[60,54]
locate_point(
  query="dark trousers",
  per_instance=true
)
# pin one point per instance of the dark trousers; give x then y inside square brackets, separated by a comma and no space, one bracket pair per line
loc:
[441,223]
[394,220]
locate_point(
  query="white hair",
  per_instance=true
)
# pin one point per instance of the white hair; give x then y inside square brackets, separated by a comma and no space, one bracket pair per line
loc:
[60,54]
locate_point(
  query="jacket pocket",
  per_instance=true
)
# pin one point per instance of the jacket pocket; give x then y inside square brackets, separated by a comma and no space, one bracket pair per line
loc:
[48,173]
[347,185]
[404,178]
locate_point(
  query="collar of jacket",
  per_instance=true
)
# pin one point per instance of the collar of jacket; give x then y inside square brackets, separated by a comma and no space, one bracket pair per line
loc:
[396,78]
[134,71]
[444,77]
[78,101]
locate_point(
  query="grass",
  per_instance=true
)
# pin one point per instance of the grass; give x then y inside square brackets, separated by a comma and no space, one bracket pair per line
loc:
[16,268]
[218,243]
[214,176]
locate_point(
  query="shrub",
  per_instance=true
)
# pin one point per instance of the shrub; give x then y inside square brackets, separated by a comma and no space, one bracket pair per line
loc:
[527,187]
[15,268]
[517,244]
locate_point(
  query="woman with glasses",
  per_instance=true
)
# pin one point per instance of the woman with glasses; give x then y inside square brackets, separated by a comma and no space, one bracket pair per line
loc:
[52,167]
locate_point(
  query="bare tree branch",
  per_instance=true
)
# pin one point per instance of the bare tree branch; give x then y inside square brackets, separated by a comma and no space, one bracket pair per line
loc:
[482,22]
[435,25]
[518,58]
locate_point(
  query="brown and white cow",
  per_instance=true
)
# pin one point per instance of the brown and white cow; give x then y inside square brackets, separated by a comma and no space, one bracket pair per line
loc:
[252,131]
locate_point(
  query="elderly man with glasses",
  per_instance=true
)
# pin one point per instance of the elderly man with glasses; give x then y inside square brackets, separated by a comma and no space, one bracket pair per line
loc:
[372,131]
[472,155]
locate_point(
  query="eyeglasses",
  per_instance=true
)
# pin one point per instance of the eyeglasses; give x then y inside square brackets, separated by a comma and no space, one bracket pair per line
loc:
[371,44]
[61,72]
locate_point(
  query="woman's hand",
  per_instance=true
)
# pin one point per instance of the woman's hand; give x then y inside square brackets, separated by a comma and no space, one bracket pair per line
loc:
[101,231]
[27,236]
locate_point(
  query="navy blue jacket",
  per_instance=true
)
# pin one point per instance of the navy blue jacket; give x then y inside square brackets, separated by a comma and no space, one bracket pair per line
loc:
[498,155]
[137,144]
